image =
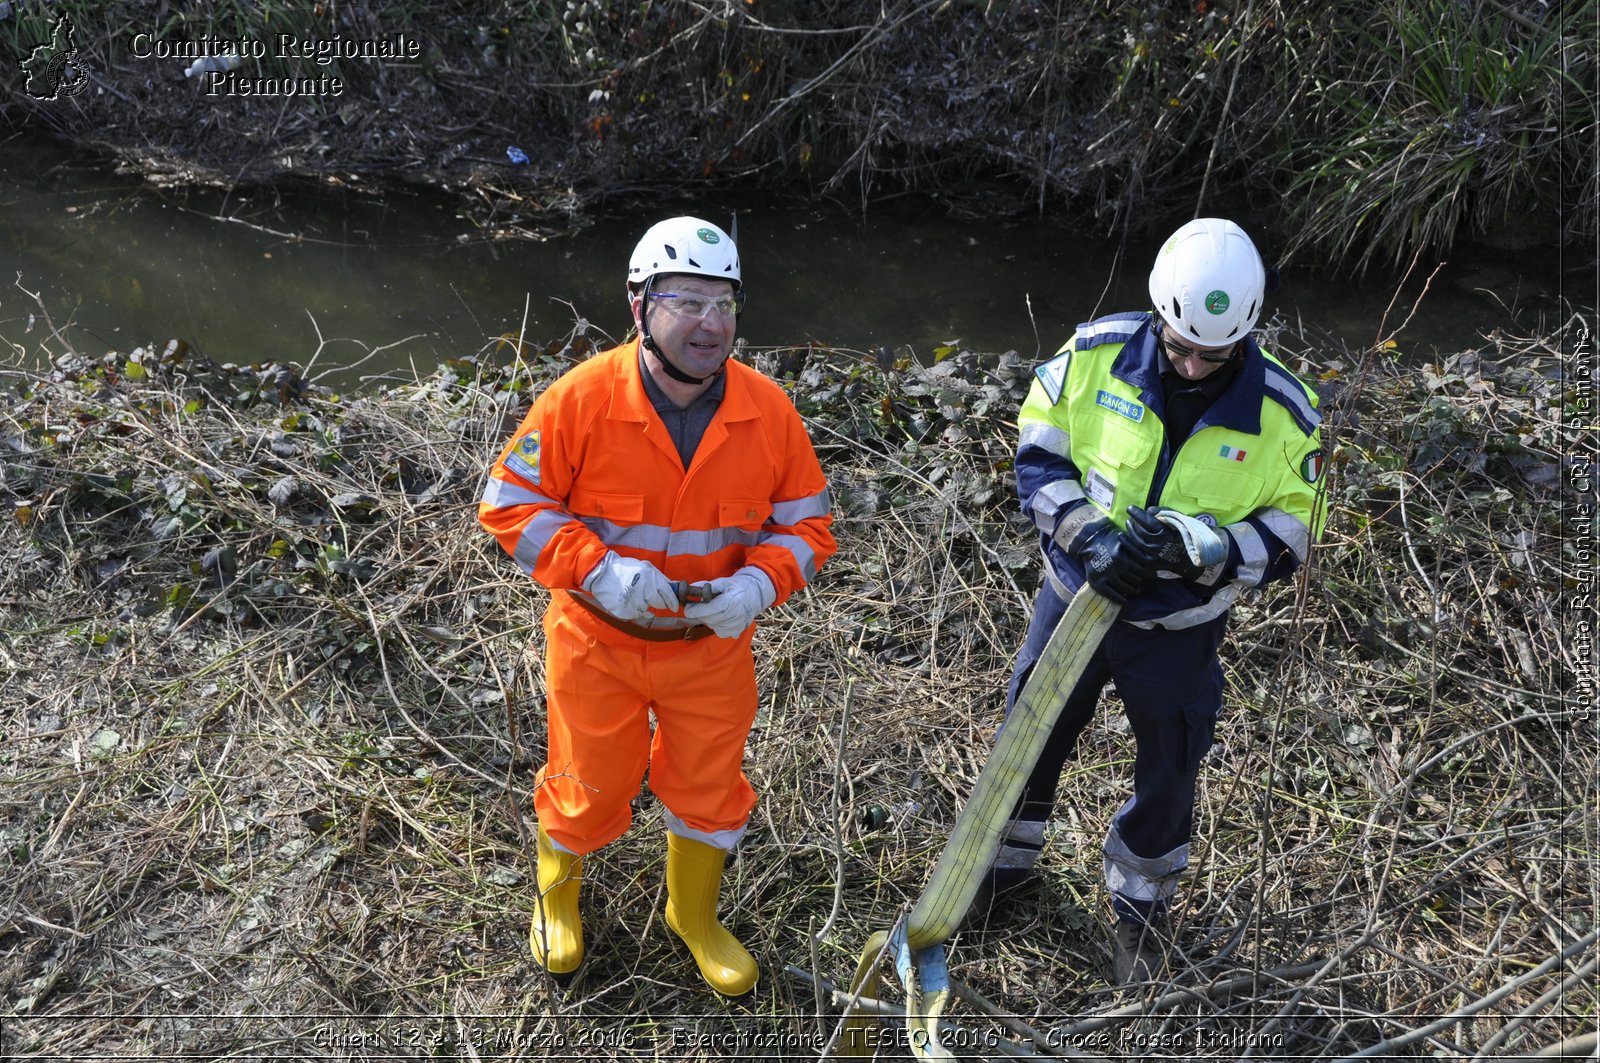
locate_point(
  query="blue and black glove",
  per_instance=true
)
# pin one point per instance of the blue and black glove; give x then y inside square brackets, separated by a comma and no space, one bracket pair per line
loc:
[1176,545]
[1114,564]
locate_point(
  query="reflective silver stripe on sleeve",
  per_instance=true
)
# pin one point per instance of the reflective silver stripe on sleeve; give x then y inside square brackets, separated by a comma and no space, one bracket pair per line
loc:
[1252,554]
[1287,390]
[1048,500]
[1287,527]
[804,556]
[799,509]
[536,535]
[1116,326]
[502,493]
[1046,436]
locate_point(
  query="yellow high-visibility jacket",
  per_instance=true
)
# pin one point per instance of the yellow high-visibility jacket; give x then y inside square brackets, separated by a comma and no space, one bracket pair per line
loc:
[1091,434]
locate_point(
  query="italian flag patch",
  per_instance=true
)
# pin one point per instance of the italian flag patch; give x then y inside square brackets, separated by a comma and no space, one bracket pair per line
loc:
[1233,453]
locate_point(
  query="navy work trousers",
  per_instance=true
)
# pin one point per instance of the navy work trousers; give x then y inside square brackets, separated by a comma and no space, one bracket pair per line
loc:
[1170,683]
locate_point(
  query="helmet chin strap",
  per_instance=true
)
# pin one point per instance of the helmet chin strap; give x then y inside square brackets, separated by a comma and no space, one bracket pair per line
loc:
[649,343]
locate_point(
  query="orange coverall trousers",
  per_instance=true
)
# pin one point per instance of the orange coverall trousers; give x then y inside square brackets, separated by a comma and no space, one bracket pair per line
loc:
[600,698]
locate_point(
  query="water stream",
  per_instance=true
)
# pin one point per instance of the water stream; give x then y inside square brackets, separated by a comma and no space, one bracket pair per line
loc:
[268,275]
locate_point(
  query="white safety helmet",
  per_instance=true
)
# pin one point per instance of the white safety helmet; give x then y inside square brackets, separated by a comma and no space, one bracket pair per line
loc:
[685,245]
[1208,282]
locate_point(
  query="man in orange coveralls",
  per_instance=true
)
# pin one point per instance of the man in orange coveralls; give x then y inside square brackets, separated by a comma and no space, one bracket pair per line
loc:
[656,462]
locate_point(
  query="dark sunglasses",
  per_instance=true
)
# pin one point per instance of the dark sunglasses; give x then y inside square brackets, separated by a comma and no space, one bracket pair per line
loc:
[1179,350]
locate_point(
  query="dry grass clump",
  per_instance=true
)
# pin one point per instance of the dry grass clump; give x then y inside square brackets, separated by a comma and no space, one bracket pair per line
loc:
[274,713]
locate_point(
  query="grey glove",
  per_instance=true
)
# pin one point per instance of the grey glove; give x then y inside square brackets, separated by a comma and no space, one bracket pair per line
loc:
[739,598]
[628,588]
[1113,564]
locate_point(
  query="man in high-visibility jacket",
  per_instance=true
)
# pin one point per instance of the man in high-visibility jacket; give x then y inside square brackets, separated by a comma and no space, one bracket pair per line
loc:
[657,464]
[1179,410]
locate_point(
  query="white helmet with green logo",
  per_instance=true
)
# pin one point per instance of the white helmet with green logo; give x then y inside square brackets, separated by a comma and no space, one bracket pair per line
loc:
[1208,282]
[684,245]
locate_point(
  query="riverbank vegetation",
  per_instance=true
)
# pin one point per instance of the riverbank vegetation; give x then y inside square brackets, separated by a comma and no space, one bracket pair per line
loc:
[273,713]
[1366,133]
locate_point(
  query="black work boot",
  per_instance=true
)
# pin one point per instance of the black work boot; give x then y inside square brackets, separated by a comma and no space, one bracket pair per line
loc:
[1138,951]
[997,892]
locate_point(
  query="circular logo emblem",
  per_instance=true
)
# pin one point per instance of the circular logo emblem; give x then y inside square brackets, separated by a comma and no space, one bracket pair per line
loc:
[707,236]
[1217,302]
[1207,519]
[1311,467]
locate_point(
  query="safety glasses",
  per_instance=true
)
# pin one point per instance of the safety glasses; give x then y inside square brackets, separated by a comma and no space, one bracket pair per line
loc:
[695,305]
[1214,355]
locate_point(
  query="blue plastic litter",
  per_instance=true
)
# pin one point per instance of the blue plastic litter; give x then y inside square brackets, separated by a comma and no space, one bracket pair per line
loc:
[517,156]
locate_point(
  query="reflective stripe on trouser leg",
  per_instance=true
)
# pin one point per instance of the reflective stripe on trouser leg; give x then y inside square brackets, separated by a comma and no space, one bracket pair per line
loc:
[984,819]
[1021,848]
[718,839]
[1141,887]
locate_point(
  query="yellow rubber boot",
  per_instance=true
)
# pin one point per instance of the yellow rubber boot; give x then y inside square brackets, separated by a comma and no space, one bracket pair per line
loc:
[694,885]
[557,933]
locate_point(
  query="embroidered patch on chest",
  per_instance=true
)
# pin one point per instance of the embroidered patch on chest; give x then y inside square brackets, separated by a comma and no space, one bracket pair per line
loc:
[1232,453]
[1119,405]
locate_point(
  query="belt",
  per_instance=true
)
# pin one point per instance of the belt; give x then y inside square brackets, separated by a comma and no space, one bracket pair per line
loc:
[648,634]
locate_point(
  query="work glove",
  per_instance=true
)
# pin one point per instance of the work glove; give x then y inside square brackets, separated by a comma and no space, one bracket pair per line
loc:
[628,588]
[738,599]
[1112,563]
[1177,544]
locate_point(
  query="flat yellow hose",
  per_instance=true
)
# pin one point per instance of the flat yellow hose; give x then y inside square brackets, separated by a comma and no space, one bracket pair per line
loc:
[983,822]
[977,836]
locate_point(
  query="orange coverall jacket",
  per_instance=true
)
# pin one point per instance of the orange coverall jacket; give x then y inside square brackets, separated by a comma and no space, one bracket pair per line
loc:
[592,468]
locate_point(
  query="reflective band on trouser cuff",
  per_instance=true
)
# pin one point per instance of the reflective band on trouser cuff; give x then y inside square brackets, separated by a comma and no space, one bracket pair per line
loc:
[717,839]
[987,816]
[1016,858]
[1146,879]
[1021,847]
